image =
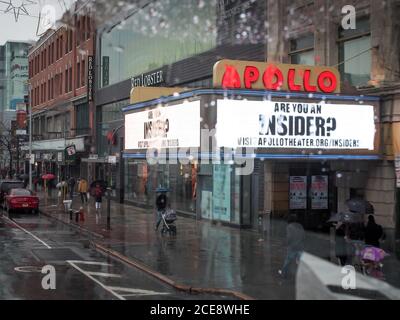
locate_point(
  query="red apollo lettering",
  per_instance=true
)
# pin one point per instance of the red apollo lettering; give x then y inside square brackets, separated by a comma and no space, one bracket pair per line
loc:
[307,86]
[323,77]
[231,79]
[291,81]
[270,75]
[274,78]
[251,75]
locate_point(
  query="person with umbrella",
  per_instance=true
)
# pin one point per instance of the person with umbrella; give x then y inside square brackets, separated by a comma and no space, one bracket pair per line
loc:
[83,190]
[341,249]
[373,232]
[71,186]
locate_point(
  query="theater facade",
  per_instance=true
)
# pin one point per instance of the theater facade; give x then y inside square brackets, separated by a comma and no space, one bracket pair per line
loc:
[267,138]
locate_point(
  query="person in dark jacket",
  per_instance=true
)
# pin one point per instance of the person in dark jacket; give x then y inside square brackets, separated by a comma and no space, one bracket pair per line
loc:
[295,244]
[161,204]
[373,232]
[341,249]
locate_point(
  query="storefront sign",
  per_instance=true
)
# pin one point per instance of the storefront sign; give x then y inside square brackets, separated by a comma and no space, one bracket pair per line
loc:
[298,193]
[149,79]
[222,192]
[232,74]
[319,192]
[164,127]
[112,159]
[295,125]
[90,78]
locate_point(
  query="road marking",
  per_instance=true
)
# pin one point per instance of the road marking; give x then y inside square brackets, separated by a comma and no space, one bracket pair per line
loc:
[28,269]
[137,292]
[96,263]
[26,231]
[97,281]
[106,275]
[113,290]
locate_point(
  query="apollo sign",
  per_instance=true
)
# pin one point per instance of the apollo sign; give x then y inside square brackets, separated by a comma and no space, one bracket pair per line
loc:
[231,74]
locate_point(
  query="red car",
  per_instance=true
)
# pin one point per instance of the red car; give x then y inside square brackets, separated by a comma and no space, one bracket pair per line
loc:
[22,199]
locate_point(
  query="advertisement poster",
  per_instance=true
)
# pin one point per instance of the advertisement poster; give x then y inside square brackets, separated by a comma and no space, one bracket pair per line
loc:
[164,127]
[319,192]
[294,125]
[298,192]
[222,193]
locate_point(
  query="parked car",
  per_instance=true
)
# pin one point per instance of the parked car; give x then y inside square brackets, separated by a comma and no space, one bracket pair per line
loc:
[6,186]
[22,199]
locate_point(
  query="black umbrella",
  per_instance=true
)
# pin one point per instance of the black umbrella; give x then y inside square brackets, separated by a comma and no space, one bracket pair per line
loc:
[347,217]
[360,206]
[101,183]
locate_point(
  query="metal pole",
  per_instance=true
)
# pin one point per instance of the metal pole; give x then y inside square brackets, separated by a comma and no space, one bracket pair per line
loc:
[109,191]
[30,140]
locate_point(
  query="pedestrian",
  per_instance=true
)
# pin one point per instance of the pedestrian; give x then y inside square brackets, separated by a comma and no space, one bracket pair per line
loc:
[83,190]
[373,233]
[98,194]
[161,205]
[71,186]
[341,249]
[295,244]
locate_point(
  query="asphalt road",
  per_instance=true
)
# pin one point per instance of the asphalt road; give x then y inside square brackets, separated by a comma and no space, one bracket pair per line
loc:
[30,242]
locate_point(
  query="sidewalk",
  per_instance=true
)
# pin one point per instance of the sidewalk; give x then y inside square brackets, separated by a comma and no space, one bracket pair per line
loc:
[202,254]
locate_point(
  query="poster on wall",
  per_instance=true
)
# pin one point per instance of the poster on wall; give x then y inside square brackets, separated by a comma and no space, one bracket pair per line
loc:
[319,192]
[164,127]
[294,125]
[298,192]
[206,204]
[222,192]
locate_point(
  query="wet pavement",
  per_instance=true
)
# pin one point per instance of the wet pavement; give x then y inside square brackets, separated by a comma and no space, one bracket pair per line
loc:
[29,242]
[203,254]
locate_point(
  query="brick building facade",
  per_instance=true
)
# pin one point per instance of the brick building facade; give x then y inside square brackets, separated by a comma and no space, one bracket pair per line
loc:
[62,111]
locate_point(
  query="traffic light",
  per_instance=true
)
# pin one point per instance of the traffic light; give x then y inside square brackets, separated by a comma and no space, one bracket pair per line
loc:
[26,100]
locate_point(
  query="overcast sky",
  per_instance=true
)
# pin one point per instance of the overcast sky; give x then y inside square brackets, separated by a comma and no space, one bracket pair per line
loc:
[25,28]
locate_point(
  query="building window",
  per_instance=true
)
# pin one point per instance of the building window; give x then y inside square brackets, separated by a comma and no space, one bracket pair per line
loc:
[355,56]
[83,67]
[141,43]
[78,75]
[70,79]
[66,81]
[302,50]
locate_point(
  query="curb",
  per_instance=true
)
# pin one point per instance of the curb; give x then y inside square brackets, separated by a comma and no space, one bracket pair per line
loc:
[168,281]
[97,235]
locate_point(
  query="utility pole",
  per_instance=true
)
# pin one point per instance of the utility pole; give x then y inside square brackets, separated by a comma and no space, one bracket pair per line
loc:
[30,138]
[109,188]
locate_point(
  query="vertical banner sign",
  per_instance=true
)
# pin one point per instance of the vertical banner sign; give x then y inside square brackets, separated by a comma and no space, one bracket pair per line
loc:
[222,193]
[106,71]
[298,192]
[319,192]
[90,78]
[397,165]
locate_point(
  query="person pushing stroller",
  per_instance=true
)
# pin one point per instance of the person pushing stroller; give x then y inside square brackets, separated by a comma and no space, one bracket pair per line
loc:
[161,205]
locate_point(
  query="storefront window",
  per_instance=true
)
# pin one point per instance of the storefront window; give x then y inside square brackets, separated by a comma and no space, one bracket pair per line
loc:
[159,34]
[109,117]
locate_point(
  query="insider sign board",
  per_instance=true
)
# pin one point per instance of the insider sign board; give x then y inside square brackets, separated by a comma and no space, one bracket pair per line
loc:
[295,125]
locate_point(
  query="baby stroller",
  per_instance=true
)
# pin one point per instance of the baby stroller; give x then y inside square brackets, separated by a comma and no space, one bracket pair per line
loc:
[168,219]
[165,214]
